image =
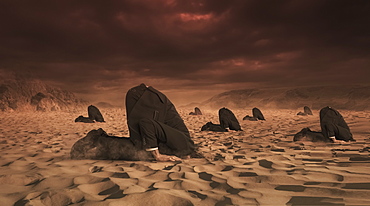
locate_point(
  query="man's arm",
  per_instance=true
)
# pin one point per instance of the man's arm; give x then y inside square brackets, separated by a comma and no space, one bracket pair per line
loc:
[161,157]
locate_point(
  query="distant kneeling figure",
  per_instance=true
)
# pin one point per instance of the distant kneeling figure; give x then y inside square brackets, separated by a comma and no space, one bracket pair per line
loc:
[257,115]
[84,119]
[94,115]
[196,111]
[307,135]
[306,111]
[227,120]
[333,128]
[209,126]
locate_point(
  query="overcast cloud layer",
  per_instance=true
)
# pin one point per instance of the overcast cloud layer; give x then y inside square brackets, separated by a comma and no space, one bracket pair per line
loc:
[188,49]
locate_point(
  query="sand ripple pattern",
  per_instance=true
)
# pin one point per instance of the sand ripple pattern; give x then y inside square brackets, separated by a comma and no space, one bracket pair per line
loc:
[258,166]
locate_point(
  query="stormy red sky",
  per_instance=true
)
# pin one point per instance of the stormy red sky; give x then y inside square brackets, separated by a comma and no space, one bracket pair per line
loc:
[190,50]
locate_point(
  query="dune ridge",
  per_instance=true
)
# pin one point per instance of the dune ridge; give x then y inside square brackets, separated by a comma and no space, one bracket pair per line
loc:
[346,97]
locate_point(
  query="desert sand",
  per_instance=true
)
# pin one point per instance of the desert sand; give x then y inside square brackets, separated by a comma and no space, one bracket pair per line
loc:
[258,166]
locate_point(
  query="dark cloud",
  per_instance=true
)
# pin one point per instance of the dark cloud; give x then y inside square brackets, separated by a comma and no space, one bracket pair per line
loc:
[100,48]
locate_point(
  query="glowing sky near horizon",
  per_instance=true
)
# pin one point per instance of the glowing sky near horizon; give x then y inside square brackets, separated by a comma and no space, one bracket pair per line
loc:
[188,49]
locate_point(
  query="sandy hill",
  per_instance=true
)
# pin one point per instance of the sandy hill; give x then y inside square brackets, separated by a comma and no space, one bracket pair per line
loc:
[316,97]
[25,93]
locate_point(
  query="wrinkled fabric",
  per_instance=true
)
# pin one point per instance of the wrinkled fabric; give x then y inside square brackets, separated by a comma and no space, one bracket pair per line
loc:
[228,119]
[332,124]
[257,114]
[94,114]
[143,103]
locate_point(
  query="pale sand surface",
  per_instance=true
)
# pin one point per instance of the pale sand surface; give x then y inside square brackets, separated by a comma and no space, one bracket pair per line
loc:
[258,166]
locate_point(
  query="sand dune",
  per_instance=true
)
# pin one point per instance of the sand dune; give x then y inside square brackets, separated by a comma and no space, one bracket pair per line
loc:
[345,97]
[260,165]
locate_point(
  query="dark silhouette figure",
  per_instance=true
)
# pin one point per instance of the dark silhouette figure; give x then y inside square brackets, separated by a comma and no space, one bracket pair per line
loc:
[83,119]
[155,125]
[250,118]
[228,119]
[307,135]
[196,111]
[306,111]
[94,114]
[333,125]
[209,126]
[333,128]
[257,115]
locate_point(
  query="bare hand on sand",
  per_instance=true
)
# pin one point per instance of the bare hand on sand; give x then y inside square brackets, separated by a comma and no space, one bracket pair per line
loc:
[164,158]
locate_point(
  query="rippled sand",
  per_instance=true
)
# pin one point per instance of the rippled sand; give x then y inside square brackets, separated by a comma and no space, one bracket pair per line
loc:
[260,165]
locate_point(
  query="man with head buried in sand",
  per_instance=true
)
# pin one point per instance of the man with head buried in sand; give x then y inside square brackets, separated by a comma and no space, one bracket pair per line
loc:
[155,125]
[333,125]
[333,129]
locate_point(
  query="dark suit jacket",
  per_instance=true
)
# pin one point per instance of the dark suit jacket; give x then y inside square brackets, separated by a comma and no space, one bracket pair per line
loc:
[332,124]
[147,102]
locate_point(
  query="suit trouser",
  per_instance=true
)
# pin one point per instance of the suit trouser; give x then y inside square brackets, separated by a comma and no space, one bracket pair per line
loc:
[153,133]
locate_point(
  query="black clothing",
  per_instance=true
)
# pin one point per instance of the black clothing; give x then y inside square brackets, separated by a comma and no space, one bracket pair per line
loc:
[209,126]
[154,122]
[94,114]
[257,114]
[332,124]
[307,110]
[196,111]
[302,114]
[247,117]
[83,119]
[307,135]
[228,119]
